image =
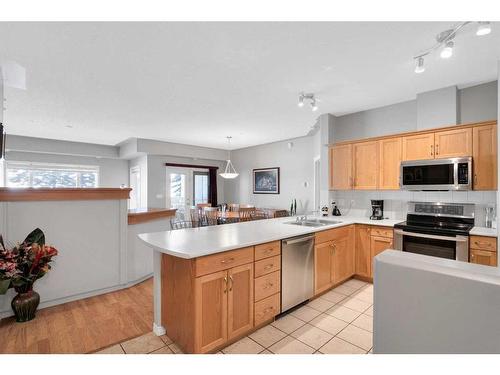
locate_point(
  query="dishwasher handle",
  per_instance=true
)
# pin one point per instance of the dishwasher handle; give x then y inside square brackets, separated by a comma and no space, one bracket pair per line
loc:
[298,240]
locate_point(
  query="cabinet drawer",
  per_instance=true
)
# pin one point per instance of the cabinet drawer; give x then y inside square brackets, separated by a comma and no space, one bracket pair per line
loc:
[267,285]
[331,234]
[483,243]
[381,232]
[223,261]
[267,309]
[268,265]
[267,250]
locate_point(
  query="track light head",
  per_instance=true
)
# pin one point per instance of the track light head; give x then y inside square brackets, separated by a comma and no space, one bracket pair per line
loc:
[303,97]
[301,100]
[484,28]
[419,67]
[447,51]
[314,106]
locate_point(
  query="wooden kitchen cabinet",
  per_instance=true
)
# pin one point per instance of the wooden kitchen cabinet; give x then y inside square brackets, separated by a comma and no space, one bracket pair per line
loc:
[322,266]
[341,167]
[365,165]
[211,311]
[484,154]
[487,258]
[343,258]
[377,245]
[240,300]
[390,152]
[363,253]
[418,147]
[453,143]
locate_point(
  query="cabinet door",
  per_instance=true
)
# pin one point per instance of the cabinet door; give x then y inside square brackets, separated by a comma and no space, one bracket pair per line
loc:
[389,160]
[210,311]
[240,300]
[487,258]
[322,266]
[365,165]
[343,259]
[418,147]
[341,167]
[484,154]
[377,245]
[362,251]
[453,143]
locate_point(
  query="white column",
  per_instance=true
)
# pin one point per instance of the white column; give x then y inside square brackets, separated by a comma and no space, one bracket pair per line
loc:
[158,328]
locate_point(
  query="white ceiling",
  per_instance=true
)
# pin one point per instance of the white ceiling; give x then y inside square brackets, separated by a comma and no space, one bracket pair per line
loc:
[195,83]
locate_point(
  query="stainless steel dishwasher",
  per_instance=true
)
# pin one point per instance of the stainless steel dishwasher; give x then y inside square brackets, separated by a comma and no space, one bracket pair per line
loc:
[297,271]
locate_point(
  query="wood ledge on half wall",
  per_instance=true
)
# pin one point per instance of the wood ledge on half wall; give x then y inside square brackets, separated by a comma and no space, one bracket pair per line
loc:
[62,194]
[143,215]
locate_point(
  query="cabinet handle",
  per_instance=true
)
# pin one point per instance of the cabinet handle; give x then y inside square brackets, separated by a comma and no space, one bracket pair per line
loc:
[482,243]
[437,149]
[267,251]
[269,266]
[268,285]
[475,178]
[225,282]
[269,309]
[472,256]
[432,150]
[228,260]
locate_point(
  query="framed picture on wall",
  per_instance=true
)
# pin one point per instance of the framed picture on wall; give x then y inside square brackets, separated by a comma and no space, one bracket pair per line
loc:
[266,181]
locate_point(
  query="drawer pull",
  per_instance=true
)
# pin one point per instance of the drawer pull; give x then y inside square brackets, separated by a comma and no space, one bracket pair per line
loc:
[269,309]
[268,285]
[232,281]
[269,266]
[228,260]
[267,251]
[225,282]
[482,243]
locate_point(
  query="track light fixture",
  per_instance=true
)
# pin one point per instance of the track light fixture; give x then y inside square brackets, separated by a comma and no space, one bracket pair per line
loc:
[303,97]
[446,42]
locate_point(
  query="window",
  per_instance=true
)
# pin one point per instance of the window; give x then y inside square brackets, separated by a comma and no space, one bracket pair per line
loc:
[26,174]
[200,187]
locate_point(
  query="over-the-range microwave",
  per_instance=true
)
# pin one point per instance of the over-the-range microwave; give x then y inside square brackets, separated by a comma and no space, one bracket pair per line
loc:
[436,174]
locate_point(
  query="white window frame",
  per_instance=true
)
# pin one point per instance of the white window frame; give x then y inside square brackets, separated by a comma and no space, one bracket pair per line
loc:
[51,166]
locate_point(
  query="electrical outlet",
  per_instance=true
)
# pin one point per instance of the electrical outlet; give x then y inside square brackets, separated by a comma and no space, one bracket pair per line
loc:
[352,202]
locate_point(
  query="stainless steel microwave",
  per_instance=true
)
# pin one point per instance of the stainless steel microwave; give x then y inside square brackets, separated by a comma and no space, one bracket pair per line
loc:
[436,174]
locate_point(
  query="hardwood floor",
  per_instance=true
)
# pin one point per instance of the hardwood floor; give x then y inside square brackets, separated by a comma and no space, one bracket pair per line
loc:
[83,326]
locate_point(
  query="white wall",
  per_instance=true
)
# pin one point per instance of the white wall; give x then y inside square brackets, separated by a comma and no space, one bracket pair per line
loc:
[437,108]
[478,103]
[296,171]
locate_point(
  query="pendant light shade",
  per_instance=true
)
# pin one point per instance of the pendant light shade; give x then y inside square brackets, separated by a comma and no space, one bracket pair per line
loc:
[229,171]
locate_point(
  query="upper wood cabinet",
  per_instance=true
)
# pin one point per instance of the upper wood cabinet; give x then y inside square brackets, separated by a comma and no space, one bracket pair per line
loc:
[390,151]
[418,147]
[365,165]
[341,167]
[453,143]
[485,157]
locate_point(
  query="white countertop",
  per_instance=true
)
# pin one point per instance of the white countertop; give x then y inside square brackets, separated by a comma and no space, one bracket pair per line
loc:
[195,242]
[483,231]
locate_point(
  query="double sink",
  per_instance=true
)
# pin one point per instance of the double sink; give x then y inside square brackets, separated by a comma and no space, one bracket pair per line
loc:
[305,222]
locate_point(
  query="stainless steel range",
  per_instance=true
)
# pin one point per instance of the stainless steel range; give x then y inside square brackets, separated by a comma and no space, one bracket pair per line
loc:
[436,229]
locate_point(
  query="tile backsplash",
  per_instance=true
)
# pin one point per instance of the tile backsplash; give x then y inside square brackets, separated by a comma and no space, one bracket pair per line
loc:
[395,202]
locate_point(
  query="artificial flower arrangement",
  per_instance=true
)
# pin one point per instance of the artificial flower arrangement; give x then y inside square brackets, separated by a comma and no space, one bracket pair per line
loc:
[20,267]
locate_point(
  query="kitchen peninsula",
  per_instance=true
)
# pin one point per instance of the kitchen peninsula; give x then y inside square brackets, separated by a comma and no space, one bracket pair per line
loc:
[213,285]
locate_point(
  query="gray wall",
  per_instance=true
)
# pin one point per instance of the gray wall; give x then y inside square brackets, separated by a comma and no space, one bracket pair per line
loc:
[474,104]
[296,171]
[112,172]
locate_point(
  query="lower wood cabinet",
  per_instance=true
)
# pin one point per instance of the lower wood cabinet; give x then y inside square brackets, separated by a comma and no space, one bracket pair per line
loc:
[363,253]
[377,245]
[334,257]
[240,300]
[483,250]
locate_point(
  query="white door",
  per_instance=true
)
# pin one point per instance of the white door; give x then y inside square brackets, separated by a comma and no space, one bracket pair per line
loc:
[179,189]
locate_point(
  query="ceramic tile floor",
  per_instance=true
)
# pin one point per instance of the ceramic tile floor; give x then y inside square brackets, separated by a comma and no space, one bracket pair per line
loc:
[338,322]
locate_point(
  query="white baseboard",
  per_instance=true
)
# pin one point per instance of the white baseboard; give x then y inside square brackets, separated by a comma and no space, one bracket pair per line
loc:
[75,297]
[159,330]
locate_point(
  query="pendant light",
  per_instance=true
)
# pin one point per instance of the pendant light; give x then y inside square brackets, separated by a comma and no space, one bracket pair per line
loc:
[229,171]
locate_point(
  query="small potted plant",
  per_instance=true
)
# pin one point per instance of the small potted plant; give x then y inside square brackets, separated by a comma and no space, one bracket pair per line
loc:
[21,266]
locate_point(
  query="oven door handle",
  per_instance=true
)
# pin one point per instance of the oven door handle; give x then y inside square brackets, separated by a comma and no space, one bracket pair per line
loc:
[432,236]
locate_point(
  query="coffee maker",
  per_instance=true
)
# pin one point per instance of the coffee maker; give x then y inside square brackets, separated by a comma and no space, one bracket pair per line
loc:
[377,209]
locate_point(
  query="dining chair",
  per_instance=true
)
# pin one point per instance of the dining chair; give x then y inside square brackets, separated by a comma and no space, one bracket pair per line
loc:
[196,217]
[246,213]
[201,206]
[210,215]
[259,215]
[281,213]
[234,207]
[180,224]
